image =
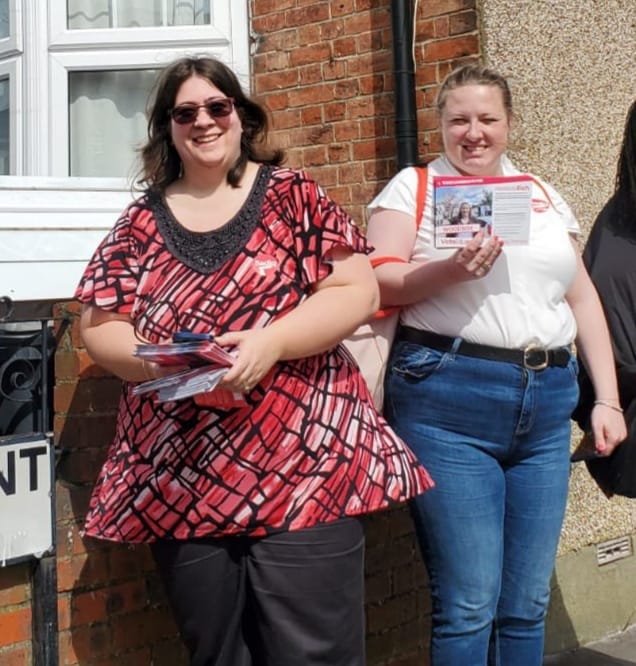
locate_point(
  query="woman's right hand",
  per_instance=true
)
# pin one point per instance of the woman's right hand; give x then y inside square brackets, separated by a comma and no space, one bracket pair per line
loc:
[474,260]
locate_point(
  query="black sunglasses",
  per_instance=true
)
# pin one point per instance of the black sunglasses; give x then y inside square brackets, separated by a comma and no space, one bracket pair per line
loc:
[217,107]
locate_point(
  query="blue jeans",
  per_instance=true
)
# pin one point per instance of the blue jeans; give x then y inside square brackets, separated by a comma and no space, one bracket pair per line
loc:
[495,438]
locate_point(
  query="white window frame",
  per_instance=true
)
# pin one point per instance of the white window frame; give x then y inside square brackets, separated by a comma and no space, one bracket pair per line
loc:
[11,67]
[12,45]
[12,70]
[133,48]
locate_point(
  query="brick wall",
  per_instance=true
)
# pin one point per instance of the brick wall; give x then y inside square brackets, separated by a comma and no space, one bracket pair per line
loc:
[325,71]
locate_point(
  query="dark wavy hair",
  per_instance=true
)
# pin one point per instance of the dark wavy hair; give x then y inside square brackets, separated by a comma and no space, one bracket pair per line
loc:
[625,185]
[161,164]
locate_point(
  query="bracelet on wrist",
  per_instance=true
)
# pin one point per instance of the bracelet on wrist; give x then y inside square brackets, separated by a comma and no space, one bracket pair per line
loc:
[609,405]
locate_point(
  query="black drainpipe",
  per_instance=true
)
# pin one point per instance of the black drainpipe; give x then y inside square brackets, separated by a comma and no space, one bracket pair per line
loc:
[404,83]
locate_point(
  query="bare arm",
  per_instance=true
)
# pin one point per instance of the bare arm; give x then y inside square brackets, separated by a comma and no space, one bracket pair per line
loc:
[110,341]
[595,349]
[339,304]
[392,233]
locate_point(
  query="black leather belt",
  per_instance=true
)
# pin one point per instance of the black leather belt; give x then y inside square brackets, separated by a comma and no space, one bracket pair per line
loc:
[532,357]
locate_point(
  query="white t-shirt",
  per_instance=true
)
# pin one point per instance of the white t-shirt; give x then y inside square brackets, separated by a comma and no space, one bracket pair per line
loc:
[521,301]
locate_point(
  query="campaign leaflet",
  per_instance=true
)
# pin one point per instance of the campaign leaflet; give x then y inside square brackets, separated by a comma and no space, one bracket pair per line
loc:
[498,205]
[207,363]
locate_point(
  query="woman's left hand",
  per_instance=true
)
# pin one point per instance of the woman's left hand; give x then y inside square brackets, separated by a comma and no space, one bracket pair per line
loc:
[608,427]
[258,351]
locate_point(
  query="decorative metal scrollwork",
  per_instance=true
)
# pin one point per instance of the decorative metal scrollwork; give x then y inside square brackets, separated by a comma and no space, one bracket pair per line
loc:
[6,308]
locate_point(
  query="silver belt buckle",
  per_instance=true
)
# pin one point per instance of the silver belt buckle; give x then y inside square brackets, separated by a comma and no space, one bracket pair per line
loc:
[540,360]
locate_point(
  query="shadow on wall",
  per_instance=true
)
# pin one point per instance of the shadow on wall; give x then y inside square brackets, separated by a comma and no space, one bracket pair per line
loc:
[586,657]
[560,632]
[111,601]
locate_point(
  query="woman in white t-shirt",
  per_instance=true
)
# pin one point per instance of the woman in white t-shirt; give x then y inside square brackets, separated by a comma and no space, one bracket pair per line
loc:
[482,382]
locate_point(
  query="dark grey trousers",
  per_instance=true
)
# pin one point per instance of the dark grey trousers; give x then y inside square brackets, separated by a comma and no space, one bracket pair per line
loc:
[290,599]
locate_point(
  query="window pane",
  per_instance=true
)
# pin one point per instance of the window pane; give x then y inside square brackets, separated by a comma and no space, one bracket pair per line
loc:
[107,120]
[5,28]
[84,14]
[5,146]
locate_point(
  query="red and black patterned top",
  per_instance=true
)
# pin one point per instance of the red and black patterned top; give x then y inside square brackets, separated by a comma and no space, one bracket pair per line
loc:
[308,447]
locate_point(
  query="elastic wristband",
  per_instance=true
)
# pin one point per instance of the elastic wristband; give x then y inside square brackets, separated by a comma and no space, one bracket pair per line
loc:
[378,261]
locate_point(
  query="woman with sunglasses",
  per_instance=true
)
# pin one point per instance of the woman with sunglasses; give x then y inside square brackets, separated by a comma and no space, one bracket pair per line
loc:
[250,507]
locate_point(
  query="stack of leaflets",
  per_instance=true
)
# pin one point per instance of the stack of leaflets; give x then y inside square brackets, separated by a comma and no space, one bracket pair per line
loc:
[465,205]
[207,363]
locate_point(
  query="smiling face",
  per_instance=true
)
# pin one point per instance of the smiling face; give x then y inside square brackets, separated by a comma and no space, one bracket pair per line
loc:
[475,126]
[206,142]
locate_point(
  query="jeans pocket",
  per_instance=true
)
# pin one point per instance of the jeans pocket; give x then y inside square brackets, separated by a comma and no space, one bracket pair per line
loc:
[416,362]
[573,367]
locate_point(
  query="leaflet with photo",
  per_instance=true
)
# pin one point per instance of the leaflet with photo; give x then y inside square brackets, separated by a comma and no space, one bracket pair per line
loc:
[498,205]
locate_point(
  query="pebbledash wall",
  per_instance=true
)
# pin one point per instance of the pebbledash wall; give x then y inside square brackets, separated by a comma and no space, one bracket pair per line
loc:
[325,71]
[570,64]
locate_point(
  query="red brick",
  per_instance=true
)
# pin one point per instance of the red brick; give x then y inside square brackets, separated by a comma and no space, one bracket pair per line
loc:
[89,395]
[276,101]
[63,612]
[314,156]
[346,131]
[281,40]
[278,80]
[343,47]
[331,29]
[312,115]
[334,111]
[438,7]
[372,84]
[82,571]
[306,16]
[316,94]
[346,89]
[272,24]
[353,173]
[310,74]
[373,41]
[462,22]
[445,49]
[314,53]
[333,70]
[339,152]
[15,656]
[15,626]
[260,7]
[85,645]
[285,119]
[343,7]
[14,585]
[359,23]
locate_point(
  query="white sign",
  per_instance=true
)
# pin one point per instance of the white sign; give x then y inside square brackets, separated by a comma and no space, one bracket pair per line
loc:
[26,503]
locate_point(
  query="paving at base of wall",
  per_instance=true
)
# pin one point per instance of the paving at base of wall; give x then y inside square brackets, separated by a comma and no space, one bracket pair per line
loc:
[618,650]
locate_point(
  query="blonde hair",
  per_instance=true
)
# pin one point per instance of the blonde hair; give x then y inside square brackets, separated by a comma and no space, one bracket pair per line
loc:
[474,75]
